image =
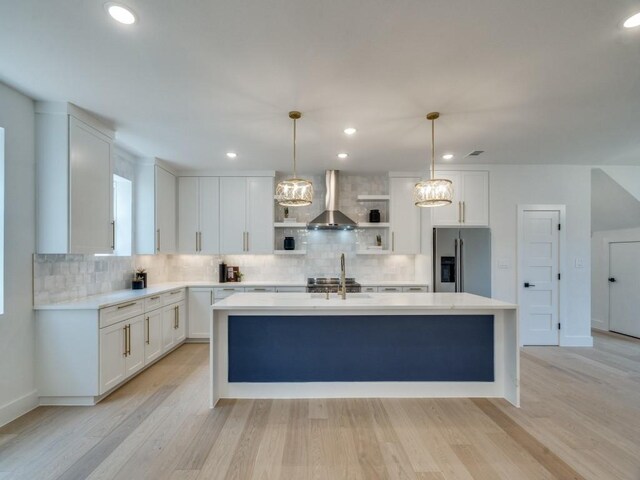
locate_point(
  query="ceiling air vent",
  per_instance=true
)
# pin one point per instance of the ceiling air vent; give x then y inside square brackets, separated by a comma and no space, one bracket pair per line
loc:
[475,153]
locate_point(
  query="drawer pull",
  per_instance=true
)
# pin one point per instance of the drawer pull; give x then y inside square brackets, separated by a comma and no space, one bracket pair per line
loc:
[175,291]
[155,298]
[127,305]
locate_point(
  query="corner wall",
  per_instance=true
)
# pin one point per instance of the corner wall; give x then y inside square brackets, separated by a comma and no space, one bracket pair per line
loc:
[17,356]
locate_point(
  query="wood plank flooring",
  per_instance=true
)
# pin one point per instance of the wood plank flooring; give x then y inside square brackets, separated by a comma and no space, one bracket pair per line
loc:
[580,419]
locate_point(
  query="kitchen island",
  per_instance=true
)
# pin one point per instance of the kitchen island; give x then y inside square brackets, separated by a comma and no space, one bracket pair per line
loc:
[303,345]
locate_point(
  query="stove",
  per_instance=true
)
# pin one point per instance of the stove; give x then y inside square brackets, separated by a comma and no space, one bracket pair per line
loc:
[331,285]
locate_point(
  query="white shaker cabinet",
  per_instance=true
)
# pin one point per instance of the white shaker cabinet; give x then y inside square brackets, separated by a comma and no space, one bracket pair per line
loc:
[74,157]
[470,206]
[246,215]
[199,215]
[113,352]
[155,208]
[200,301]
[173,325]
[153,336]
[404,216]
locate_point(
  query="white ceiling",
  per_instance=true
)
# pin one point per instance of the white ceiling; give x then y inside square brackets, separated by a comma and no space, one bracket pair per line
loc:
[538,81]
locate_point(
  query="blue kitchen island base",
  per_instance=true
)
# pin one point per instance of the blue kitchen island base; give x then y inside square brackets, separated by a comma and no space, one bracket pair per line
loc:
[362,348]
[301,345]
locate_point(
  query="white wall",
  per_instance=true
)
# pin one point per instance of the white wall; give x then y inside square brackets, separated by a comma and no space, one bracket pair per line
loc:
[562,184]
[17,379]
[600,272]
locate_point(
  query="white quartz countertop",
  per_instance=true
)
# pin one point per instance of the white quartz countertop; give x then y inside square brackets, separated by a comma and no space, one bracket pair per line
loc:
[361,301]
[104,300]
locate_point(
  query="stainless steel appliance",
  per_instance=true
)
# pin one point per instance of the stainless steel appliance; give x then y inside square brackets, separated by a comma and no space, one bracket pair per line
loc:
[462,260]
[331,285]
[331,218]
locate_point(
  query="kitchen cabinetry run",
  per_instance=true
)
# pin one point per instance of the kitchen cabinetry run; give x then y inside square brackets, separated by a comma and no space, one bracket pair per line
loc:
[404,216]
[83,354]
[198,215]
[74,157]
[155,209]
[470,206]
[246,215]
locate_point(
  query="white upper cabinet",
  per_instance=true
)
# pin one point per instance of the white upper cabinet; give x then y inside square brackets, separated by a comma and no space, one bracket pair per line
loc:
[74,155]
[470,206]
[165,211]
[199,215]
[155,208]
[246,215]
[404,216]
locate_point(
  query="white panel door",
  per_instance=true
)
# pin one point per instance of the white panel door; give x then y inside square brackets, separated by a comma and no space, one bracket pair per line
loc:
[112,356]
[209,215]
[165,211]
[169,319]
[153,336]
[180,332]
[260,215]
[188,215]
[200,301]
[624,279]
[91,190]
[134,361]
[404,216]
[475,199]
[538,292]
[233,208]
[449,215]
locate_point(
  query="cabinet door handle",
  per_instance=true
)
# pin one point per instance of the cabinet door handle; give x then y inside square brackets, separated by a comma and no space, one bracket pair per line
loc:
[393,241]
[147,321]
[197,248]
[126,305]
[211,295]
[113,235]
[124,336]
[129,340]
[247,241]
[464,212]
[459,212]
[175,317]
[200,241]
[158,240]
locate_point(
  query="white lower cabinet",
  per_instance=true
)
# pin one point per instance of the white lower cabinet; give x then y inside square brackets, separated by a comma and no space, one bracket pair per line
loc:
[112,356]
[173,325]
[121,351]
[153,336]
[200,301]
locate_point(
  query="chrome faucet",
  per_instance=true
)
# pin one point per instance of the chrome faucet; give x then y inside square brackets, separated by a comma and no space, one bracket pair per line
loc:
[343,279]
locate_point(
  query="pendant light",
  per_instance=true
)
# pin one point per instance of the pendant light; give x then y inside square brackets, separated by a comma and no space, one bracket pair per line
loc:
[435,192]
[294,192]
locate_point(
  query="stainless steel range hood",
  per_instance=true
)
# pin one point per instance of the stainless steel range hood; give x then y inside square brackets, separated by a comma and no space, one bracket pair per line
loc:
[331,218]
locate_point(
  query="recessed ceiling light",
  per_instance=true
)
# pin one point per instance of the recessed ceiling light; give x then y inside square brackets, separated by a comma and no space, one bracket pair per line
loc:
[632,22]
[447,156]
[232,154]
[343,155]
[120,13]
[350,130]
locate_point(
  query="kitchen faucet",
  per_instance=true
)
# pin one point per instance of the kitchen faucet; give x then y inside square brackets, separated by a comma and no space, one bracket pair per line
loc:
[342,291]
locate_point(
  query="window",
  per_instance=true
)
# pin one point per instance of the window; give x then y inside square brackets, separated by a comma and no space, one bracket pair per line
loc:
[123,215]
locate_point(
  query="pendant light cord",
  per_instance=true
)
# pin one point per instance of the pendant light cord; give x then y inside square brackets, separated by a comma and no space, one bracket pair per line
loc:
[294,149]
[433,149]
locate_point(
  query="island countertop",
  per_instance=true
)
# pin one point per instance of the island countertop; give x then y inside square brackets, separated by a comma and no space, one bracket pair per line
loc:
[361,301]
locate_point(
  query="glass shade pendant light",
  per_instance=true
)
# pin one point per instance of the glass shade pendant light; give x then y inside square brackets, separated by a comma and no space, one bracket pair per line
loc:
[294,192]
[435,192]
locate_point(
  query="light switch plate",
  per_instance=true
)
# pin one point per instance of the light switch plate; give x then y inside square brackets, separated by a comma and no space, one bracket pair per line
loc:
[504,263]
[579,262]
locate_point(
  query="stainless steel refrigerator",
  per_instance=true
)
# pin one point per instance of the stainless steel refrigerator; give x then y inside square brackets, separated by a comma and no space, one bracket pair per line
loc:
[462,260]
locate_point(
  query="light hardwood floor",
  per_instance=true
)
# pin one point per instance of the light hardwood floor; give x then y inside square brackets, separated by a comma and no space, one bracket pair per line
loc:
[580,418]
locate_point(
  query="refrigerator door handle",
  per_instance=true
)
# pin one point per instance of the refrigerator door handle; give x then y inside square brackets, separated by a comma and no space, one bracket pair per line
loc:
[461,282]
[457,263]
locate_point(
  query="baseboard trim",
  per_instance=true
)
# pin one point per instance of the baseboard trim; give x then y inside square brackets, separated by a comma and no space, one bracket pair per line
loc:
[18,407]
[582,341]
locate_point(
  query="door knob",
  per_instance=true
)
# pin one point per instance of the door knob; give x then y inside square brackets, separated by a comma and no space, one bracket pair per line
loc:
[612,280]
[527,285]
